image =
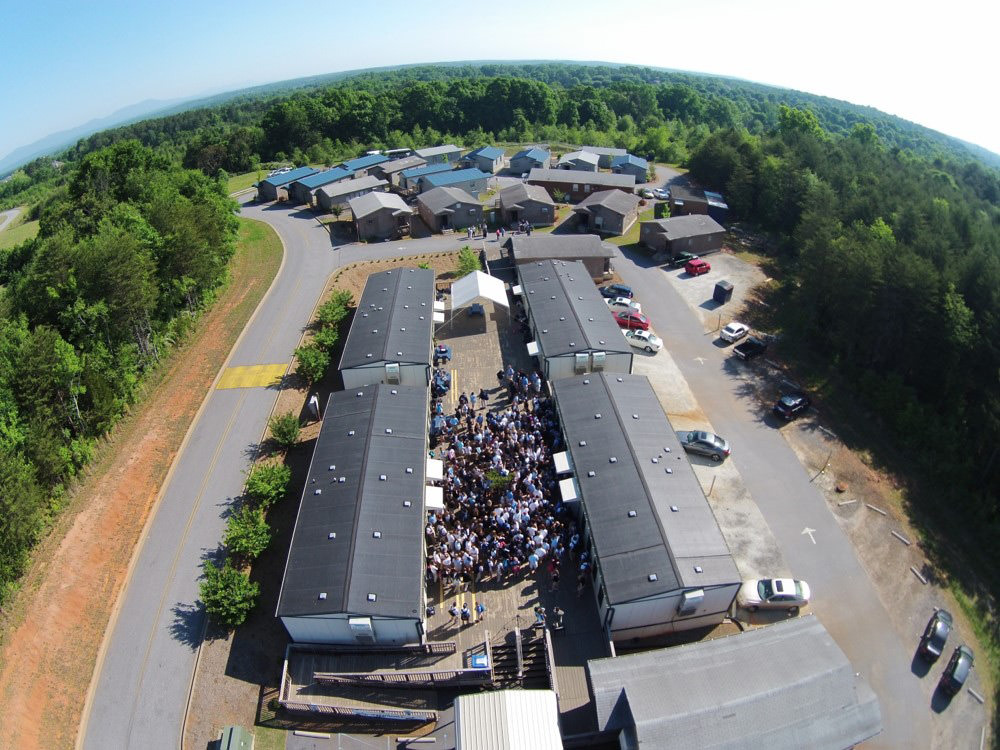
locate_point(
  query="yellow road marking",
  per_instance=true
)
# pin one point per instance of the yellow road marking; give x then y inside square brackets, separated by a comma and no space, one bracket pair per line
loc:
[453,394]
[252,376]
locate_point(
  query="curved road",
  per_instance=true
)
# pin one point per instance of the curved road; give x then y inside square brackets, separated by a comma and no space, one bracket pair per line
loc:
[142,683]
[8,216]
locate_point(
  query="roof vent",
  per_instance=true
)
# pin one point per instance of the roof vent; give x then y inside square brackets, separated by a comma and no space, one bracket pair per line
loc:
[393,391]
[601,342]
[409,469]
[592,320]
[591,474]
[341,480]
[402,329]
[561,318]
[350,433]
[652,577]
[674,509]
[552,296]
[665,448]
[531,291]
[374,330]
[409,286]
[407,503]
[364,315]
[322,595]
[632,514]
[596,416]
[368,356]
[669,470]
[406,307]
[572,343]
[388,430]
[421,317]
[635,416]
[382,477]
[359,394]
[332,535]
[697,569]
[613,459]
[384,289]
[423,304]
[545,330]
[333,466]
[583,443]
[586,381]
[579,298]
[620,380]
[376,535]
[656,460]
[372,597]
[317,491]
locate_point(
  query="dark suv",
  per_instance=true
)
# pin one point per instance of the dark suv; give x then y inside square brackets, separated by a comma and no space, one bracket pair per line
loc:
[935,636]
[791,405]
[957,671]
[616,290]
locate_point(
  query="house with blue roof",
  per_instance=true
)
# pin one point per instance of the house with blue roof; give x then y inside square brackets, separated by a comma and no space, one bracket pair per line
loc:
[472,180]
[488,159]
[362,164]
[274,187]
[530,158]
[629,164]
[409,179]
[301,191]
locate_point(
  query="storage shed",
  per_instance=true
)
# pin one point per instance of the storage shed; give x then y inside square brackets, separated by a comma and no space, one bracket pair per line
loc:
[409,179]
[507,720]
[449,208]
[608,211]
[488,159]
[530,203]
[391,334]
[530,158]
[471,180]
[355,566]
[604,153]
[340,193]
[272,188]
[439,154]
[573,328]
[301,191]
[577,185]
[696,233]
[391,170]
[660,562]
[380,216]
[583,161]
[784,687]
[633,165]
[587,248]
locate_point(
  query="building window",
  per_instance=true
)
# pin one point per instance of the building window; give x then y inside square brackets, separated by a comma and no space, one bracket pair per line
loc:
[576,187]
[586,188]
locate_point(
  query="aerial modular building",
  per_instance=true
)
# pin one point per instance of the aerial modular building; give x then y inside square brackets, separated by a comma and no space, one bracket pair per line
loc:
[577,185]
[380,216]
[692,233]
[391,335]
[605,155]
[660,561]
[449,208]
[273,188]
[302,190]
[354,573]
[587,248]
[573,329]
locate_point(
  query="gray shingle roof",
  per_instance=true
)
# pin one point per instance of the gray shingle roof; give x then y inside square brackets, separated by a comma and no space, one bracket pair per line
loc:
[691,225]
[562,246]
[515,195]
[638,464]
[368,182]
[586,156]
[437,150]
[372,202]
[614,200]
[368,433]
[398,165]
[394,321]
[569,313]
[784,687]
[604,151]
[441,200]
[599,179]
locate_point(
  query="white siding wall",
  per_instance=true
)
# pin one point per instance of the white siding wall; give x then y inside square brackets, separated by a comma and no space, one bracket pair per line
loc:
[412,374]
[333,629]
[565,366]
[656,616]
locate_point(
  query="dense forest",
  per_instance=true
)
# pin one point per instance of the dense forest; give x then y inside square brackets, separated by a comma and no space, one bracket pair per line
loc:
[127,252]
[887,236]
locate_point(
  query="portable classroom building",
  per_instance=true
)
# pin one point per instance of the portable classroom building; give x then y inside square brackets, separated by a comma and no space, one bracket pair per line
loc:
[409,179]
[391,334]
[439,154]
[380,216]
[633,165]
[301,191]
[530,203]
[364,164]
[449,208]
[472,180]
[583,161]
[605,154]
[687,200]
[341,193]
[354,573]
[488,159]
[577,185]
[273,188]
[573,328]
[391,170]
[694,233]
[587,248]
[659,561]
[608,211]
[530,158]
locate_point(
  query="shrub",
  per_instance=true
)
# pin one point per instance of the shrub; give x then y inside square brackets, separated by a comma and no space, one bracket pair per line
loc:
[268,483]
[326,338]
[468,261]
[313,361]
[247,533]
[228,594]
[285,429]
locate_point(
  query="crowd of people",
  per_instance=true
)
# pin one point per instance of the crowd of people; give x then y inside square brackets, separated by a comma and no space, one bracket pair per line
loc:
[503,516]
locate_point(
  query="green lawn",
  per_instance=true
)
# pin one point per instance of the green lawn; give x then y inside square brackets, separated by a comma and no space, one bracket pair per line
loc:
[243,181]
[268,738]
[18,234]
[631,237]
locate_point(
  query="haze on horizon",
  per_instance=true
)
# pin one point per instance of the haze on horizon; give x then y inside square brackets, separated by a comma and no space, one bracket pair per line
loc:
[68,63]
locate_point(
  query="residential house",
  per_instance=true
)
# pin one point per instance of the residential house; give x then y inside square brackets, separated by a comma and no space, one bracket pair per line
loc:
[608,211]
[582,161]
[632,165]
[391,171]
[689,200]
[276,187]
[587,248]
[488,159]
[409,179]
[380,216]
[471,180]
[530,203]
[694,233]
[341,193]
[530,158]
[439,154]
[577,185]
[301,191]
[364,164]
[449,208]
[605,154]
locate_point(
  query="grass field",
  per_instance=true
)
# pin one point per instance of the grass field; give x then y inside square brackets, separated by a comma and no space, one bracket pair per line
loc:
[18,234]
[244,181]
[631,237]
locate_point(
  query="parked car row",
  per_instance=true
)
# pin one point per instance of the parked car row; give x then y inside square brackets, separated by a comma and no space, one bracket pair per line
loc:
[932,643]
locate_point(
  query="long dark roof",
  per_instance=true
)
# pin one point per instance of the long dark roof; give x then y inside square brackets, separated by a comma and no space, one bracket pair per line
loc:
[441,200]
[564,246]
[582,177]
[689,225]
[296,174]
[569,313]
[394,321]
[638,465]
[784,686]
[616,201]
[519,193]
[369,461]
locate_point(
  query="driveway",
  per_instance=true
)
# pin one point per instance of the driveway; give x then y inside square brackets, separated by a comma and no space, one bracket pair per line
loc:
[6,217]
[141,688]
[844,598]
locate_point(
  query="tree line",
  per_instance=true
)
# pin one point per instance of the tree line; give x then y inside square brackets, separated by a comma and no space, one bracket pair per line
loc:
[128,250]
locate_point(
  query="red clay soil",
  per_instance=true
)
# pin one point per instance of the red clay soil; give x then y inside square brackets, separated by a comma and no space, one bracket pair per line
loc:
[53,628]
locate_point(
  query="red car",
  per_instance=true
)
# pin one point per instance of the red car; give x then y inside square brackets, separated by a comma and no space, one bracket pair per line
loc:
[628,319]
[697,267]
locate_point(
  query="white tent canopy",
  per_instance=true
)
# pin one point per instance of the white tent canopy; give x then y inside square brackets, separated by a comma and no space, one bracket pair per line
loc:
[507,720]
[477,287]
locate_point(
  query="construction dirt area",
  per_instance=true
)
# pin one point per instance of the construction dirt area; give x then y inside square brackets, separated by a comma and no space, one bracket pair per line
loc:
[53,627]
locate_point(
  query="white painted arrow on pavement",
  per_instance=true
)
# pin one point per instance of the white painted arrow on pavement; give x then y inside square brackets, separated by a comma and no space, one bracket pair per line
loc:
[700,360]
[810,532]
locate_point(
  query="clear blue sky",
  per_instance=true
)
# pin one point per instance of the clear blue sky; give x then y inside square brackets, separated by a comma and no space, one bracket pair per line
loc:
[64,63]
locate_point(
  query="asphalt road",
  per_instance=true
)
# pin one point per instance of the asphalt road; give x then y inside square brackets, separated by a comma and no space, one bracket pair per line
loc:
[142,686]
[8,216]
[844,599]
